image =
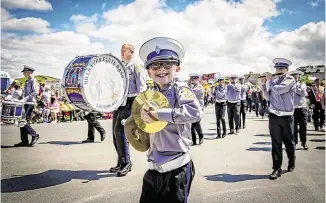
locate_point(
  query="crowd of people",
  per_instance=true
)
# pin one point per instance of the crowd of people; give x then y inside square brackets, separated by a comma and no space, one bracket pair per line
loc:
[169,158]
[49,107]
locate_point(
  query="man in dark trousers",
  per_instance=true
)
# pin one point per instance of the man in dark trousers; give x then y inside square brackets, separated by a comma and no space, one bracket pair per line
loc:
[220,98]
[243,102]
[137,84]
[315,96]
[281,92]
[300,111]
[92,125]
[199,91]
[255,101]
[31,90]
[233,96]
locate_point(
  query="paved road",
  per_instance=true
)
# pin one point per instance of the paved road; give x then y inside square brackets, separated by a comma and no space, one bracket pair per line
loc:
[233,169]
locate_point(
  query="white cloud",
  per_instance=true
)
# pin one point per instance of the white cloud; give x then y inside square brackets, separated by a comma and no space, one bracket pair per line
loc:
[315,3]
[47,53]
[277,1]
[5,15]
[84,24]
[8,22]
[218,37]
[103,6]
[41,5]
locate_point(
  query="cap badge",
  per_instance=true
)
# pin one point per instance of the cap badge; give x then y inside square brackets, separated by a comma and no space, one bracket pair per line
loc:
[157,49]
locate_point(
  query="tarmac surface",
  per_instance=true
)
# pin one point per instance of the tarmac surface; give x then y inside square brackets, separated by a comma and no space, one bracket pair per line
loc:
[234,169]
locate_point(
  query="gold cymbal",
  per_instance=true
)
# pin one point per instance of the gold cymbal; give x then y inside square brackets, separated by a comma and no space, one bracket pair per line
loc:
[154,98]
[135,136]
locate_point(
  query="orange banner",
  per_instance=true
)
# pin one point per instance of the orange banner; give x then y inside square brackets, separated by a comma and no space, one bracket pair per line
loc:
[208,76]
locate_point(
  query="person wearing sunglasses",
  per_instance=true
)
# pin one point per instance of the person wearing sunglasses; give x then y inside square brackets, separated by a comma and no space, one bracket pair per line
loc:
[171,169]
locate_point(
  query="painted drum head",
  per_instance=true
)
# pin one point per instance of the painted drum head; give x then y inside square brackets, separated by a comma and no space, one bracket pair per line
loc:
[97,83]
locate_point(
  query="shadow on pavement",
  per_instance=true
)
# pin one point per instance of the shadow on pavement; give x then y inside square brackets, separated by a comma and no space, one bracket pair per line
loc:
[65,142]
[212,129]
[315,134]
[210,134]
[268,143]
[262,135]
[49,178]
[320,148]
[317,140]
[229,178]
[257,149]
[6,147]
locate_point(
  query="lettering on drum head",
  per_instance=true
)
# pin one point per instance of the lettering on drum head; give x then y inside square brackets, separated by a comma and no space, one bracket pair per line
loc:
[104,82]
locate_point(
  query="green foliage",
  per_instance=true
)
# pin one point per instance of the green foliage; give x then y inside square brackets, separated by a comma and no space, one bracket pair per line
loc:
[39,78]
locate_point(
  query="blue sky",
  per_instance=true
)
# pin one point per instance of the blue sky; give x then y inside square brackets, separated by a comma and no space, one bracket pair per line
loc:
[295,13]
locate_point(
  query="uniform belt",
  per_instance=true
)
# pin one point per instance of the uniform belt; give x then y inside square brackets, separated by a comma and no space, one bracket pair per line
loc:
[299,107]
[233,102]
[220,101]
[281,113]
[171,165]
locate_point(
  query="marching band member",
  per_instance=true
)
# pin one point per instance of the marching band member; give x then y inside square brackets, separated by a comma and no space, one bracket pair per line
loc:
[92,125]
[31,90]
[137,84]
[281,95]
[220,106]
[243,102]
[171,169]
[315,97]
[233,96]
[300,111]
[199,91]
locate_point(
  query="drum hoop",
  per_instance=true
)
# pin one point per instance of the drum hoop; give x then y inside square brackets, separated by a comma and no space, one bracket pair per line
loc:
[82,88]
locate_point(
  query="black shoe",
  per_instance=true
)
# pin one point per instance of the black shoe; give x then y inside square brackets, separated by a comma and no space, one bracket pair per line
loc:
[276,174]
[114,169]
[291,166]
[124,169]
[103,137]
[87,141]
[224,134]
[21,144]
[237,132]
[244,127]
[218,135]
[316,129]
[34,140]
[231,132]
[201,140]
[305,146]
[194,143]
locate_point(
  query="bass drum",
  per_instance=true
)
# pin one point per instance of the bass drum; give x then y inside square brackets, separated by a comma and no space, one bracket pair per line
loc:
[95,82]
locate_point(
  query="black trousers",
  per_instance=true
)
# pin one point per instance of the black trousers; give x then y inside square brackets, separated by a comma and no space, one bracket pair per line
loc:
[243,107]
[220,109]
[263,106]
[249,105]
[27,129]
[233,115]
[196,127]
[119,138]
[173,186]
[92,125]
[257,108]
[300,118]
[281,131]
[318,116]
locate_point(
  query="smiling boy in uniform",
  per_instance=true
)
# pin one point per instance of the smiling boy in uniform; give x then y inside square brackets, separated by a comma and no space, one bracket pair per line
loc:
[171,169]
